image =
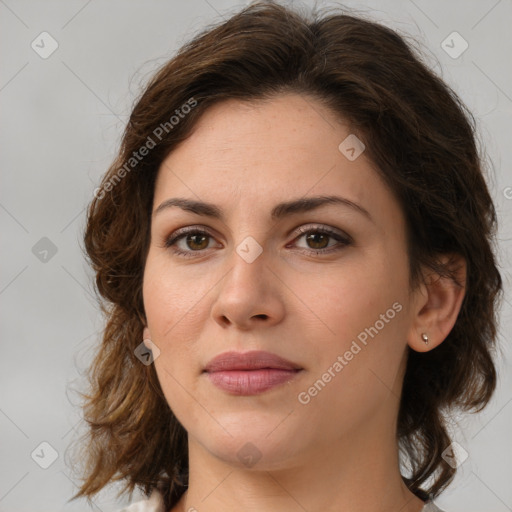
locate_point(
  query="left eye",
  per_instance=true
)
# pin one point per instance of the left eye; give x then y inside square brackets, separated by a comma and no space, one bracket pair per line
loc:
[196,237]
[317,239]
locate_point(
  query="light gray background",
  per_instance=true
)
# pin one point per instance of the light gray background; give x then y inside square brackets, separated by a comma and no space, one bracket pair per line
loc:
[62,120]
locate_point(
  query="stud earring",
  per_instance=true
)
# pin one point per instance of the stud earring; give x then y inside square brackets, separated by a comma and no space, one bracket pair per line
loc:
[424,337]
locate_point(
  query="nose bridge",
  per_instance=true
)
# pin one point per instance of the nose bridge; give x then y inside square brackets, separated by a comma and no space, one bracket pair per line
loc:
[246,293]
[249,238]
[248,262]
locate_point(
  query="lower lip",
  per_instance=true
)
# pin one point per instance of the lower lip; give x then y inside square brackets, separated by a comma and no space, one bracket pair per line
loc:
[250,382]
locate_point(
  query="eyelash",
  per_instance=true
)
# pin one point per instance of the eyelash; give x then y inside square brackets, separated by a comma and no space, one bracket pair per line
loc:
[344,240]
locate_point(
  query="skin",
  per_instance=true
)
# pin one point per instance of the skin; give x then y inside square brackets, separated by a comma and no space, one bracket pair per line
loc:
[338,452]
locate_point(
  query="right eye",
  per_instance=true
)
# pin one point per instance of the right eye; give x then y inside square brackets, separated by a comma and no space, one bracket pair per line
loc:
[185,242]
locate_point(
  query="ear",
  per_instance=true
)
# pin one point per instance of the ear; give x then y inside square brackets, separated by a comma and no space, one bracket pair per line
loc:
[437,304]
[146,336]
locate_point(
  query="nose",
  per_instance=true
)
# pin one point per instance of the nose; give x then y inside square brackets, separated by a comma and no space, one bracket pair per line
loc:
[249,295]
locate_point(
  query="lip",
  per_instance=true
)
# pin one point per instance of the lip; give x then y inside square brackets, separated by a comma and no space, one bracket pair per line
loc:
[250,373]
[254,360]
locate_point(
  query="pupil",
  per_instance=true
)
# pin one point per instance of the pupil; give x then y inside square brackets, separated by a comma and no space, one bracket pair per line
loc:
[196,237]
[312,237]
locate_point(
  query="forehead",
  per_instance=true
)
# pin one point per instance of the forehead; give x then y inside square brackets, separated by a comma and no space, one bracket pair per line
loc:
[260,153]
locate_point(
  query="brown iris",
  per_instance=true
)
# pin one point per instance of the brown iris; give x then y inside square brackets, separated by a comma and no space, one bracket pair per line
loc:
[314,238]
[196,237]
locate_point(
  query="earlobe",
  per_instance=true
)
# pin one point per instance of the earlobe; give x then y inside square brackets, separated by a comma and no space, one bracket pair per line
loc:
[146,335]
[436,316]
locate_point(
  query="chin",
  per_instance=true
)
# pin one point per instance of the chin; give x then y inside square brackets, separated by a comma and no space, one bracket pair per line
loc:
[254,446]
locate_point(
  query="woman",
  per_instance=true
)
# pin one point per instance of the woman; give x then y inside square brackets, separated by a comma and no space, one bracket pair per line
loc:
[294,246]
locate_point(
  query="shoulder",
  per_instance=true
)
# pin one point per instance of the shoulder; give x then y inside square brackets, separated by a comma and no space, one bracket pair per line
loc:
[430,506]
[154,503]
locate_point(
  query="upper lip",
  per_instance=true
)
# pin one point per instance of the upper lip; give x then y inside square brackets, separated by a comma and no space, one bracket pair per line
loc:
[254,360]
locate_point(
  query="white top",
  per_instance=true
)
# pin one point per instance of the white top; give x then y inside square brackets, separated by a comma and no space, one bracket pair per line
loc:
[155,503]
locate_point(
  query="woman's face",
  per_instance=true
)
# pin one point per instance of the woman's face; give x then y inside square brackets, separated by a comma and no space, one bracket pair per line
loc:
[334,304]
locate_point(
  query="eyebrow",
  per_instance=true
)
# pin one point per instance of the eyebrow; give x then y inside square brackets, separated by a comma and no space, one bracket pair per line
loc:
[281,210]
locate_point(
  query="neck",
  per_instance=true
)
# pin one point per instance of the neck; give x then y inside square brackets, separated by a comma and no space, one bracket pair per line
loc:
[360,472]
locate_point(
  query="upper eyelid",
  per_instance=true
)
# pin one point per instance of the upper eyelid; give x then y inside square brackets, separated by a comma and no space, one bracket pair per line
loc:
[200,227]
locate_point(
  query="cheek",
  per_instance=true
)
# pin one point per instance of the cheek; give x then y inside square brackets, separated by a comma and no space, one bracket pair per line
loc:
[363,318]
[354,296]
[357,371]
[172,302]
[173,324]
[172,311]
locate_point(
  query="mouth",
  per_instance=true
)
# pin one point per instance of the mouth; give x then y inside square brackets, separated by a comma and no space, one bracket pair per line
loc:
[250,373]
[250,382]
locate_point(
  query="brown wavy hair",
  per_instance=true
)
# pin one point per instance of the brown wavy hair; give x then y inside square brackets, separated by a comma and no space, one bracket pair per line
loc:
[423,141]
